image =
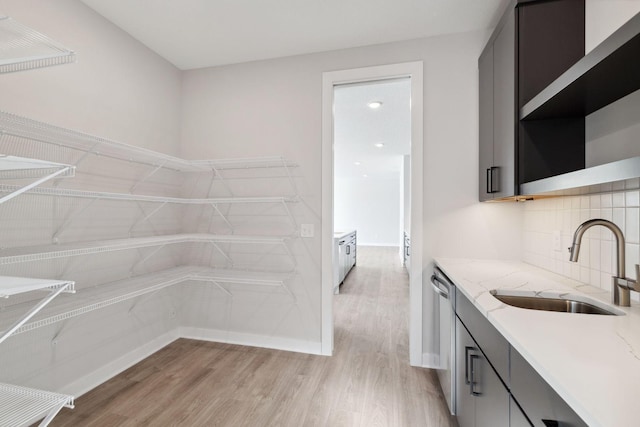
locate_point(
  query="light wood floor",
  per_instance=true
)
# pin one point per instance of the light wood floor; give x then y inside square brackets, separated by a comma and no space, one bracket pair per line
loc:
[368,381]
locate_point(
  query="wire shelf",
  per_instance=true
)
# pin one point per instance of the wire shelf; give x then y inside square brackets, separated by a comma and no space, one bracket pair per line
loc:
[22,406]
[22,48]
[62,192]
[41,253]
[17,285]
[17,126]
[98,297]
[12,167]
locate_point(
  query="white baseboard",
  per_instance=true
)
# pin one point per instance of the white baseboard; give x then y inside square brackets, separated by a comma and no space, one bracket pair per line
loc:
[251,340]
[110,370]
[431,360]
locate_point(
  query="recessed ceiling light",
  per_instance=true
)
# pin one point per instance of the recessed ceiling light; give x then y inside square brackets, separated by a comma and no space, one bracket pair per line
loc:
[356,163]
[379,145]
[375,104]
[365,176]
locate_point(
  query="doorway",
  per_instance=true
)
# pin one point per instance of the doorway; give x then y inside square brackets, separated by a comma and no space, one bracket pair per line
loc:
[371,141]
[388,75]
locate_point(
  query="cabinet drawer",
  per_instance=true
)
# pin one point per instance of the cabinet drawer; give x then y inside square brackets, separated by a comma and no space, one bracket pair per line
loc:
[491,342]
[538,400]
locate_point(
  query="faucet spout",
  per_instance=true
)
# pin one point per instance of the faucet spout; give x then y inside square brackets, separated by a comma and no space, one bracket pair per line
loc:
[621,295]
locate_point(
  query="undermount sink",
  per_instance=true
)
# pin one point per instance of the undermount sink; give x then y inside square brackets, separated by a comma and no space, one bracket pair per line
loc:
[563,305]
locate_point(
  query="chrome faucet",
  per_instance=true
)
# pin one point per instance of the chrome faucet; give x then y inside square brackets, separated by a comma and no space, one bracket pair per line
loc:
[620,286]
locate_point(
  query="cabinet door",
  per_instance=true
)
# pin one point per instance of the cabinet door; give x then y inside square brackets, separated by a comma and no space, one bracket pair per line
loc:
[516,416]
[504,111]
[492,398]
[465,401]
[541,403]
[485,70]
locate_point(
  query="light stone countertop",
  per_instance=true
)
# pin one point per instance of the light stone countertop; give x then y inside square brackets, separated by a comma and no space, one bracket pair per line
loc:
[591,361]
[341,234]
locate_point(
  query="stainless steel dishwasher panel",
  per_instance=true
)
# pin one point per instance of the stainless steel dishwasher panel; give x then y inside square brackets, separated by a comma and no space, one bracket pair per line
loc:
[445,290]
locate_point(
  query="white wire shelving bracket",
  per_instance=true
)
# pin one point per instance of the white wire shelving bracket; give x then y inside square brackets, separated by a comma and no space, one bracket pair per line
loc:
[13,167]
[22,48]
[23,406]
[10,286]
[98,297]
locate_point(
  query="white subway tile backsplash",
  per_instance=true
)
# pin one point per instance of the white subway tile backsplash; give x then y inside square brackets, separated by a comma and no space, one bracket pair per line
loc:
[606,251]
[584,202]
[618,200]
[633,256]
[597,261]
[632,225]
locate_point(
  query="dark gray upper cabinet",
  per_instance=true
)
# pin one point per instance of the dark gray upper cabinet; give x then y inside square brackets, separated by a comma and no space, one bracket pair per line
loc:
[534,43]
[497,110]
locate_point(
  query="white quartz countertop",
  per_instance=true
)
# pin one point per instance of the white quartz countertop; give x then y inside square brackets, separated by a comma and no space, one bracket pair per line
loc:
[591,361]
[342,234]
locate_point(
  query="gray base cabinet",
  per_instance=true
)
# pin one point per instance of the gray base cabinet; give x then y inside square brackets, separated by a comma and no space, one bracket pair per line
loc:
[538,400]
[482,399]
[495,385]
[516,416]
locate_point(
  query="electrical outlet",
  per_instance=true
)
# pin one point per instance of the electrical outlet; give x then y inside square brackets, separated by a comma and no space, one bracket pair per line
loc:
[307,230]
[557,241]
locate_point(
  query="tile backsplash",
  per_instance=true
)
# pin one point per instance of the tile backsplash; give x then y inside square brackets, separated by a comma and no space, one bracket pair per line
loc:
[549,225]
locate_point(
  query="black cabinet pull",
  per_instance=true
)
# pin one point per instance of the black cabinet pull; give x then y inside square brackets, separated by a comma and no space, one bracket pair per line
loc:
[489,184]
[493,179]
[467,349]
[551,423]
[472,358]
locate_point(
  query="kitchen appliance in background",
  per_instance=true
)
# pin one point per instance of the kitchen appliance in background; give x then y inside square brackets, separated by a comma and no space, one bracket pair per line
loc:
[446,292]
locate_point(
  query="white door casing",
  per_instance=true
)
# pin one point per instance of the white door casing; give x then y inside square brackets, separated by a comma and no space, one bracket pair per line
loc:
[413,70]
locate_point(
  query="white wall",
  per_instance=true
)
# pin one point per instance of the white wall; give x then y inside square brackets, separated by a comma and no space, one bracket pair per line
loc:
[274,107]
[603,17]
[371,206]
[612,132]
[118,88]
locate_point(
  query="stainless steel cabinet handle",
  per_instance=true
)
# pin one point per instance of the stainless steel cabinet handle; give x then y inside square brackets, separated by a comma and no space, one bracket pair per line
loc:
[473,382]
[435,284]
[348,249]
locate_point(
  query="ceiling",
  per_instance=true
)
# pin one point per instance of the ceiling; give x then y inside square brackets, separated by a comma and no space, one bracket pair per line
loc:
[203,33]
[357,128]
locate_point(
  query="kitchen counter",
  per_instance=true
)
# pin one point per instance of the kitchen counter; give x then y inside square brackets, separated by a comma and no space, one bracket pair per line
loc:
[342,234]
[591,361]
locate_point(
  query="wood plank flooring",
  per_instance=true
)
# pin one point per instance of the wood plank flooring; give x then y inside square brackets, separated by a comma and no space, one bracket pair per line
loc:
[368,381]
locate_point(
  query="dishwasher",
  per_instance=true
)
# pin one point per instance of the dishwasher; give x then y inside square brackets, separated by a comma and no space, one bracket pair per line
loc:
[446,303]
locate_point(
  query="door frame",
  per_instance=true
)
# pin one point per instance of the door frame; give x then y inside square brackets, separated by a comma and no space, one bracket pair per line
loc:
[413,70]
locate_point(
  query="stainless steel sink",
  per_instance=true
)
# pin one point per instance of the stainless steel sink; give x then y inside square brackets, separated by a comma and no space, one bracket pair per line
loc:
[554,304]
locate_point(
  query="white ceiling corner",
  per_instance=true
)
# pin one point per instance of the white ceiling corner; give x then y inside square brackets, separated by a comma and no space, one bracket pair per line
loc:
[203,33]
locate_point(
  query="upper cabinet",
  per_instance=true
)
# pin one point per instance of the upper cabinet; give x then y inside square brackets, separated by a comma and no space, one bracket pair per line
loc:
[537,145]
[497,111]
[534,43]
